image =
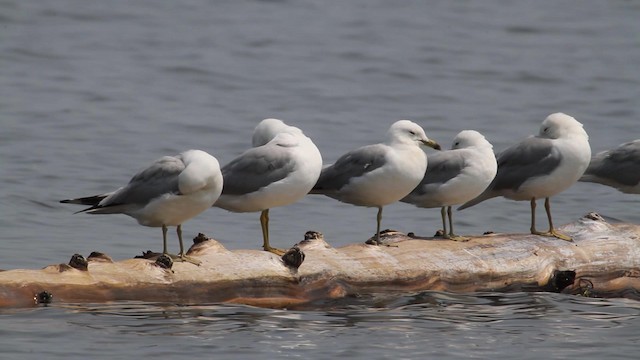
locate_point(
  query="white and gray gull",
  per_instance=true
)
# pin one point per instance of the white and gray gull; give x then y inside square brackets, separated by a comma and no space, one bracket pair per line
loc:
[618,168]
[379,174]
[455,176]
[172,190]
[541,166]
[280,169]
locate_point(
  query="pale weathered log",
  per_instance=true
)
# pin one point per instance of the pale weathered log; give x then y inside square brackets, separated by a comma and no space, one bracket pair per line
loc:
[605,259]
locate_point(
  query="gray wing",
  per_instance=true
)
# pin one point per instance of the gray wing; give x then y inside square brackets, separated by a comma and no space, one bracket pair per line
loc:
[621,165]
[255,169]
[351,165]
[441,167]
[158,179]
[530,158]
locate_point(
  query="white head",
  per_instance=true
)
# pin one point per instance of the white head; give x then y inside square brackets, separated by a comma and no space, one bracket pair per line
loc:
[470,138]
[408,132]
[267,129]
[285,139]
[560,125]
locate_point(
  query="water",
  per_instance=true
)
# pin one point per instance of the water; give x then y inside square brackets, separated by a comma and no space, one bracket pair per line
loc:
[90,92]
[431,325]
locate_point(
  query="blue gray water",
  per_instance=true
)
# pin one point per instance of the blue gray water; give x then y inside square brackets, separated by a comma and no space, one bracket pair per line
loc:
[91,91]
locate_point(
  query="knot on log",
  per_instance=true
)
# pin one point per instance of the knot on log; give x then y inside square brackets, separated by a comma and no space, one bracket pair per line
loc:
[594,216]
[559,280]
[146,255]
[200,238]
[165,262]
[43,297]
[387,238]
[312,235]
[79,262]
[293,257]
[99,257]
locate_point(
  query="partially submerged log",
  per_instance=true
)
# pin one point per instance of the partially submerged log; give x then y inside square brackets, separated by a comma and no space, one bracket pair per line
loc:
[603,260]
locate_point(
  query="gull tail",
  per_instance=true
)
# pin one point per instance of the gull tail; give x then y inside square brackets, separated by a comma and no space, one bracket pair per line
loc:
[92,201]
[487,194]
[89,200]
[316,191]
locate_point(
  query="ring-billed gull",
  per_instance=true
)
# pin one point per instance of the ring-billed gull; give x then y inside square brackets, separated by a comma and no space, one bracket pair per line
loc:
[167,193]
[278,173]
[618,168]
[380,174]
[541,166]
[455,176]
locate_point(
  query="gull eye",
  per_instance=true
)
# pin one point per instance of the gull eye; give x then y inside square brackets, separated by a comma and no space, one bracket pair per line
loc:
[412,132]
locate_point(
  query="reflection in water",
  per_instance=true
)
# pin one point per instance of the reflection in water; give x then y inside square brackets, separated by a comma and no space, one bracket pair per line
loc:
[427,308]
[433,324]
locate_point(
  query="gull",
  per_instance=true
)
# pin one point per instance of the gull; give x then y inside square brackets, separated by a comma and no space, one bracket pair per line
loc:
[379,174]
[277,173]
[541,166]
[170,191]
[618,168]
[455,176]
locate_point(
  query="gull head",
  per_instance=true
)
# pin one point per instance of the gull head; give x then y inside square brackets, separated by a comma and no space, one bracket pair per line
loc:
[470,138]
[560,125]
[408,132]
[267,129]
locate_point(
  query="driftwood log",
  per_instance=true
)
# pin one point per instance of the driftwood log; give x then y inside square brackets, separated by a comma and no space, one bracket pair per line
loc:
[603,260]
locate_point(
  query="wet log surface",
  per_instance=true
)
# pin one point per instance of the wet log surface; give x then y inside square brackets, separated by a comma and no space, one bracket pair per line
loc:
[603,260]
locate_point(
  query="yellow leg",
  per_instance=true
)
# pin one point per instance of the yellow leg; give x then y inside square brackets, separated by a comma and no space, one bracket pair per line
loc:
[451,235]
[552,231]
[264,224]
[182,254]
[164,239]
[443,214]
[533,216]
[378,221]
[179,232]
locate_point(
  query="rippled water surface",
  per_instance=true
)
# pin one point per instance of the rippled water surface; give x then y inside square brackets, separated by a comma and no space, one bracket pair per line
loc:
[431,325]
[91,91]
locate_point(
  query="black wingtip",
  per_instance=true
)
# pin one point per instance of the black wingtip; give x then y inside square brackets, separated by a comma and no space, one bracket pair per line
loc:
[89,200]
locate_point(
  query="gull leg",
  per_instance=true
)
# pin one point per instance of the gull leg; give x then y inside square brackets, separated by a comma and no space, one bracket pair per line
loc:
[552,232]
[164,239]
[264,223]
[443,214]
[533,217]
[451,235]
[378,221]
[179,232]
[182,255]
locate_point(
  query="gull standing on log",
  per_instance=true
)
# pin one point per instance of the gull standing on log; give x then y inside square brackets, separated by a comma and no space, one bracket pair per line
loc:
[541,166]
[618,168]
[169,192]
[455,176]
[379,174]
[281,169]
